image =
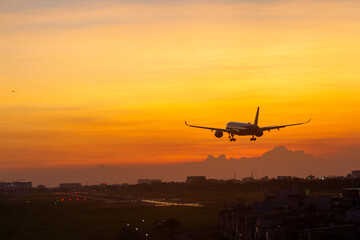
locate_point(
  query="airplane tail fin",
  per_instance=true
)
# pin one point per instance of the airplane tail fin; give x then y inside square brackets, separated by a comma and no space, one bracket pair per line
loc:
[257,117]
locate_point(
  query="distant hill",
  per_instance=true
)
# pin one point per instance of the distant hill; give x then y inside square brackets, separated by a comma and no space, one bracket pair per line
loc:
[278,161]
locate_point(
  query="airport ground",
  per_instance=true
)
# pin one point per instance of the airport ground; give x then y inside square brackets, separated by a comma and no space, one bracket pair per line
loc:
[51,215]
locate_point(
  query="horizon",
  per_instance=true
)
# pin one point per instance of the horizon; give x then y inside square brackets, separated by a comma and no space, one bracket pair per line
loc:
[290,163]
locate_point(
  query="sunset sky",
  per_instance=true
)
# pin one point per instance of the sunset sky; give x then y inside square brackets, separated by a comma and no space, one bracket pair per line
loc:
[112,82]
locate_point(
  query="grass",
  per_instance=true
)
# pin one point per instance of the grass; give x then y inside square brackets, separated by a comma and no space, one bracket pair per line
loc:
[35,216]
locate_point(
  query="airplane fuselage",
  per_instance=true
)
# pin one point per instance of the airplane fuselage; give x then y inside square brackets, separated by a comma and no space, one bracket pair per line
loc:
[244,128]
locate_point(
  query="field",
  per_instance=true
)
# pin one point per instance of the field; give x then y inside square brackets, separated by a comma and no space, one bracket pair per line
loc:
[46,216]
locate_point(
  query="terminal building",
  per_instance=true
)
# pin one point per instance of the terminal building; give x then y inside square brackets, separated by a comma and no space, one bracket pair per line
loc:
[15,185]
[195,179]
[148,181]
[144,181]
[356,173]
[69,186]
[247,179]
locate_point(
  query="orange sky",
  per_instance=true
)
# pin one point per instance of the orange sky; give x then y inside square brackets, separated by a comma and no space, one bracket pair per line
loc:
[100,82]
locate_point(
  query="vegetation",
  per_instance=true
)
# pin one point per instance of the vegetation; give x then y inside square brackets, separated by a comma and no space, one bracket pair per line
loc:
[46,216]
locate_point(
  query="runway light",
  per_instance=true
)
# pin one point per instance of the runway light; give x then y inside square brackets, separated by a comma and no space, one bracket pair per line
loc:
[77,199]
[62,199]
[143,220]
[136,229]
[69,199]
[146,234]
[84,198]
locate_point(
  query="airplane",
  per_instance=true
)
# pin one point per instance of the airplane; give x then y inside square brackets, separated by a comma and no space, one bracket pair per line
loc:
[244,129]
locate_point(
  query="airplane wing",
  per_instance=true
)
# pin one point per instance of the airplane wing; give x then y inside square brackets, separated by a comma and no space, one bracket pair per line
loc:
[281,126]
[210,128]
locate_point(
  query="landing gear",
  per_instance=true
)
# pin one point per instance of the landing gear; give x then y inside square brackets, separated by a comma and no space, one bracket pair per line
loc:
[253,138]
[231,136]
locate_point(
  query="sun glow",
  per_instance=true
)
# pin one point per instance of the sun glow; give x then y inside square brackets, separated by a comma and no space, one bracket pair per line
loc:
[114,81]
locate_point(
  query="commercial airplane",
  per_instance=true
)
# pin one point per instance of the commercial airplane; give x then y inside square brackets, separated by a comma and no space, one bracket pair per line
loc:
[244,129]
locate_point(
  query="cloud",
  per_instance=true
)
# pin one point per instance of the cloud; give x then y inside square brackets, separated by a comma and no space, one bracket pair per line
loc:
[57,15]
[41,109]
[277,161]
[14,6]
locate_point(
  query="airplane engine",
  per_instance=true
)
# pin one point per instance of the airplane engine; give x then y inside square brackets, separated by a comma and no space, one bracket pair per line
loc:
[219,133]
[259,133]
